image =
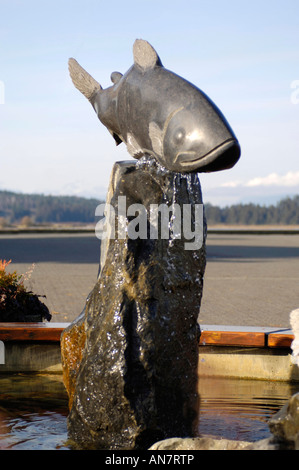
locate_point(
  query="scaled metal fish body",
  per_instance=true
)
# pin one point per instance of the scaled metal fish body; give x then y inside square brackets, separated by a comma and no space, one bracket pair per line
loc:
[156,112]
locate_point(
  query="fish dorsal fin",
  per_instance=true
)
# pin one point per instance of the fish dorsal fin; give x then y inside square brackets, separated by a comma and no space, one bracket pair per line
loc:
[145,55]
[82,80]
[115,77]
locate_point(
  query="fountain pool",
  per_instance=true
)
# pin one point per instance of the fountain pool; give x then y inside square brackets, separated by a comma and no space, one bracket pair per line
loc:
[34,409]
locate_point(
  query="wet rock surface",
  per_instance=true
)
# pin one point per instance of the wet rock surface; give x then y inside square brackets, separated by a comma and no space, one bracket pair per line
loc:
[137,380]
[284,427]
[285,424]
[72,346]
[199,443]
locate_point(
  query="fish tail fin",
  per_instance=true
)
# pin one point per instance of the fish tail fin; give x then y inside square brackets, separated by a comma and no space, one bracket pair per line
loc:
[82,80]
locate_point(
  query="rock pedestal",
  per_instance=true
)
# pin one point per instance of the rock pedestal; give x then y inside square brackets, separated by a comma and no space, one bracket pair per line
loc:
[135,380]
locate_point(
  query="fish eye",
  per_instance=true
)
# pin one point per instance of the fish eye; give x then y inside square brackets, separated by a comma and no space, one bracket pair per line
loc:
[179,135]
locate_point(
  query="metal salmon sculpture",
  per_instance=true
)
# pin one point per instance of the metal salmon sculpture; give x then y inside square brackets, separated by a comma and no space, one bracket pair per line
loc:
[155,112]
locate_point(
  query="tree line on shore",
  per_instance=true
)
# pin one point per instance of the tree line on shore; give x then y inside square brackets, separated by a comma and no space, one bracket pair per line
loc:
[285,212]
[29,209]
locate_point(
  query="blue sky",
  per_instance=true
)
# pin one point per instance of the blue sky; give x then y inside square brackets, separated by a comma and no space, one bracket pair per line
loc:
[244,55]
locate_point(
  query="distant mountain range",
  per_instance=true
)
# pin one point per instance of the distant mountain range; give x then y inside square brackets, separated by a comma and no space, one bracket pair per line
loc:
[41,209]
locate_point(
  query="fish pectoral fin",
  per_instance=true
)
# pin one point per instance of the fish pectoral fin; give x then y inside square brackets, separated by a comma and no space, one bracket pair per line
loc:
[82,80]
[133,147]
[145,55]
[115,77]
[156,136]
[117,139]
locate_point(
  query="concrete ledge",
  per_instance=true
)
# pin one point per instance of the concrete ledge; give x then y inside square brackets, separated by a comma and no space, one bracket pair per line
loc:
[247,363]
[225,351]
[31,357]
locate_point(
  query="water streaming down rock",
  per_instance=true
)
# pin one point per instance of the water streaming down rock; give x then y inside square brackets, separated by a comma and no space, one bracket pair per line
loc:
[136,382]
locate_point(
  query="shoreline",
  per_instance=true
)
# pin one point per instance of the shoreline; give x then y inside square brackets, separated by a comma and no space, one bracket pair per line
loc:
[90,228]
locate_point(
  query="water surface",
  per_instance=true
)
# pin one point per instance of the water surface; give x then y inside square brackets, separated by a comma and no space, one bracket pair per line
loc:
[34,409]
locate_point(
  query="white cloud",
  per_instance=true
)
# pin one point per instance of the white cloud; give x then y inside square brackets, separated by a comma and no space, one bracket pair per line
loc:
[268,189]
[231,184]
[290,179]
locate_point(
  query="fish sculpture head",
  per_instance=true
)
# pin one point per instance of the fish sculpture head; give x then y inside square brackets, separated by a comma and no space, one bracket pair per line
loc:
[158,113]
[189,142]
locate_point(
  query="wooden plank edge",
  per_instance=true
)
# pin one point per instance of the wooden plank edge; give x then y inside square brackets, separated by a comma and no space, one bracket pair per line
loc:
[280,340]
[31,331]
[233,338]
[210,335]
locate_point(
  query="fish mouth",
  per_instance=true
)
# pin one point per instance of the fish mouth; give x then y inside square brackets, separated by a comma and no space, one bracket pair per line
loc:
[222,157]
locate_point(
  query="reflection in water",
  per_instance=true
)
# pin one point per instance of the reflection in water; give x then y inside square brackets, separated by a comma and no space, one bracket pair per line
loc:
[239,409]
[33,410]
[43,430]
